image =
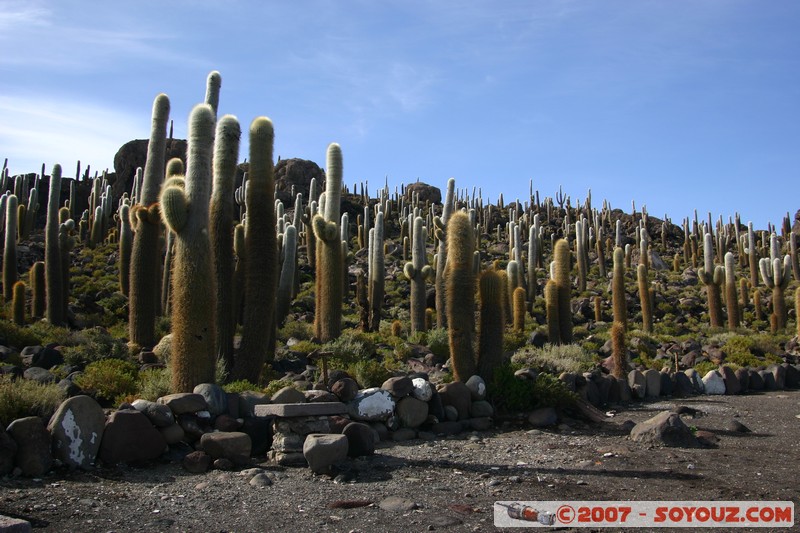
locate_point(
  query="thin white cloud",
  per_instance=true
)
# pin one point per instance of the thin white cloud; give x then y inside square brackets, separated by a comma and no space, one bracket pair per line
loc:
[41,129]
[14,15]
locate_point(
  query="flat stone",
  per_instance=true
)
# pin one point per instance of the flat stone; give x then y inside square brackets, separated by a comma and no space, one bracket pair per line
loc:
[397,504]
[33,445]
[77,428]
[303,425]
[184,402]
[323,450]
[260,481]
[228,445]
[301,409]
[288,442]
[249,400]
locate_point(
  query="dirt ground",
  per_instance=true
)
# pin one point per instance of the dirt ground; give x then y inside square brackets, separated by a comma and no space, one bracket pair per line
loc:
[448,484]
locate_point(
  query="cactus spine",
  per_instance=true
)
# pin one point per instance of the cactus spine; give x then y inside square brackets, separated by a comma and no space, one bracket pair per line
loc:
[731,296]
[417,272]
[261,244]
[460,289]
[145,222]
[221,224]
[492,323]
[10,250]
[54,279]
[328,315]
[185,211]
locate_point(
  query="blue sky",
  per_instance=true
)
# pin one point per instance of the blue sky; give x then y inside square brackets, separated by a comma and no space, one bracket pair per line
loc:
[674,104]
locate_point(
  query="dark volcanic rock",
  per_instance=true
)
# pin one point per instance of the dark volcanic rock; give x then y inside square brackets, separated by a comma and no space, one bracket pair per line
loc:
[133,154]
[426,193]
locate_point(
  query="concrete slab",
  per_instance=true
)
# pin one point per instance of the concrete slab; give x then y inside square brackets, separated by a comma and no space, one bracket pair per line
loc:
[287,410]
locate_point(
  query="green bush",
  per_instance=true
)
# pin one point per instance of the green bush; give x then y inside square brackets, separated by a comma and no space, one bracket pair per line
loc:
[108,380]
[242,385]
[369,373]
[23,397]
[92,345]
[275,385]
[511,394]
[439,343]
[154,383]
[350,347]
[704,367]
[739,350]
[555,358]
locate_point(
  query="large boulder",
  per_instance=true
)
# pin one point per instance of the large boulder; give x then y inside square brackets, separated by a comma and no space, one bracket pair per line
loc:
[77,428]
[8,449]
[323,450]
[371,405]
[132,155]
[425,192]
[33,445]
[664,429]
[298,173]
[130,437]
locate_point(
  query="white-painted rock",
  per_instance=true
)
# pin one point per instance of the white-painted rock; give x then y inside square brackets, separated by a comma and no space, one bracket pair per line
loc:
[371,405]
[77,428]
[713,383]
[422,389]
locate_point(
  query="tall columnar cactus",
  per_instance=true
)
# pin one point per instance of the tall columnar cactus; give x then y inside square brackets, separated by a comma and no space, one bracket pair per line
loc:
[10,250]
[534,252]
[54,279]
[492,324]
[18,303]
[240,251]
[328,312]
[65,245]
[644,298]
[221,224]
[125,247]
[561,256]
[37,282]
[441,225]
[582,251]
[286,283]
[712,278]
[731,296]
[619,304]
[518,308]
[261,243]
[417,271]
[185,211]
[797,306]
[752,255]
[213,85]
[377,274]
[619,353]
[776,275]
[551,312]
[460,295]
[145,295]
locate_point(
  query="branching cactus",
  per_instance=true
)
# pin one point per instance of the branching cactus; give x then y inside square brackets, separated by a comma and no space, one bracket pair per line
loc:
[492,324]
[460,295]
[417,271]
[712,278]
[441,233]
[261,265]
[776,275]
[146,224]
[221,224]
[185,211]
[731,296]
[10,250]
[52,255]
[328,311]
